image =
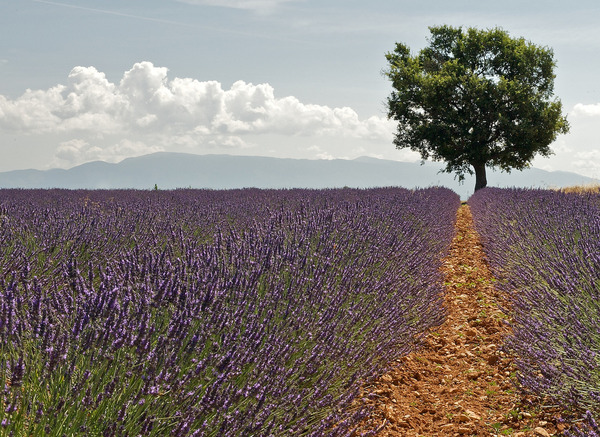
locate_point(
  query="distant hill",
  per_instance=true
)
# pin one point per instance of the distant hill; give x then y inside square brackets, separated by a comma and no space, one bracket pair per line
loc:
[180,170]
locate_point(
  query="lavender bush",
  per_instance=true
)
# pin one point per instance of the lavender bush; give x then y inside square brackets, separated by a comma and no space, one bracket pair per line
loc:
[543,247]
[209,313]
[589,428]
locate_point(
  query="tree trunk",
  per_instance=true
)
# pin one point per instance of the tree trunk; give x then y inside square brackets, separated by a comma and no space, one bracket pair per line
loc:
[480,179]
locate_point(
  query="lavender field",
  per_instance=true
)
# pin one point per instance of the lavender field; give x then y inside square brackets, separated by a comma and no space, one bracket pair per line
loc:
[204,313]
[544,248]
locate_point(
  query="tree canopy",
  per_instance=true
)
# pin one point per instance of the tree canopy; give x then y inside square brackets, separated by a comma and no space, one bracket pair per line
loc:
[473,99]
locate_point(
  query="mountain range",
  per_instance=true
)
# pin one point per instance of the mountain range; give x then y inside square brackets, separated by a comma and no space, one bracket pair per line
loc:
[181,170]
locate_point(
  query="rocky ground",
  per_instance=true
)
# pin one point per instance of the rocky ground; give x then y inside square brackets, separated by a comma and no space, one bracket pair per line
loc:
[460,382]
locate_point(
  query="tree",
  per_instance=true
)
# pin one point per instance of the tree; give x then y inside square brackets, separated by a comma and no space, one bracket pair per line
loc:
[475,99]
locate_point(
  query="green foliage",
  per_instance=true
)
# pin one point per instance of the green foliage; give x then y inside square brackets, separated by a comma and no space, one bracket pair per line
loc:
[475,98]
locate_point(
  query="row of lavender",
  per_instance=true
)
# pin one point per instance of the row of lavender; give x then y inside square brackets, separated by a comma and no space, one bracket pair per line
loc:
[193,312]
[544,247]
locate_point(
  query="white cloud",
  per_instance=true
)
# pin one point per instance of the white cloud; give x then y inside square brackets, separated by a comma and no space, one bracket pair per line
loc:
[77,151]
[590,110]
[70,151]
[319,153]
[229,142]
[588,163]
[147,108]
[561,147]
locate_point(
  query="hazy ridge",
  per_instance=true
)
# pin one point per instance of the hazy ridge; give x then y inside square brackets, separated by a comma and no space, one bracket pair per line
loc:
[180,170]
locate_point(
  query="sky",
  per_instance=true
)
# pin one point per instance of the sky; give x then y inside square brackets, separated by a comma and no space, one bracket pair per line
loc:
[87,80]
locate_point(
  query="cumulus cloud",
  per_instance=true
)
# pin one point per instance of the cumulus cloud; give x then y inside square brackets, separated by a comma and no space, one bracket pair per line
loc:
[588,163]
[87,103]
[590,110]
[148,111]
[561,147]
[78,151]
[145,99]
[319,153]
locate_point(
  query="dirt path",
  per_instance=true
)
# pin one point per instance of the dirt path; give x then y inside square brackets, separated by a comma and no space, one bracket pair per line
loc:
[459,382]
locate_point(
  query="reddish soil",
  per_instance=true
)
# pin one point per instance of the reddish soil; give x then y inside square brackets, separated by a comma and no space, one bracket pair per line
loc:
[460,381]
